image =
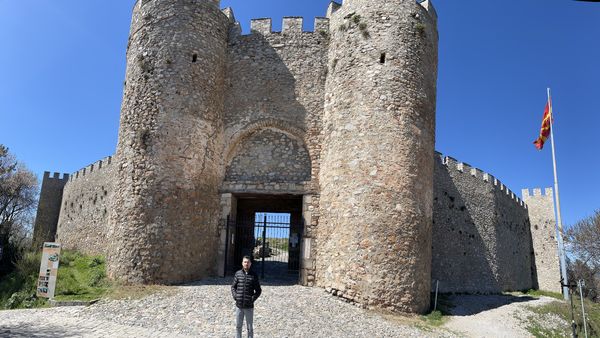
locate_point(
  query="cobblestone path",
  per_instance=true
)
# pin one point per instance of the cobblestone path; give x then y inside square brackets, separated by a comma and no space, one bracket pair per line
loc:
[205,309]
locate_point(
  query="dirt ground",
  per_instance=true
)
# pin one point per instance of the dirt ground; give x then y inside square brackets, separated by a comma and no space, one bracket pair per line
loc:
[491,315]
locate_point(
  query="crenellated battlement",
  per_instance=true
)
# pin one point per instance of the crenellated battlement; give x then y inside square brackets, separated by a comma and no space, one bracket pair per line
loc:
[96,166]
[291,25]
[141,3]
[537,192]
[55,176]
[332,8]
[429,8]
[465,168]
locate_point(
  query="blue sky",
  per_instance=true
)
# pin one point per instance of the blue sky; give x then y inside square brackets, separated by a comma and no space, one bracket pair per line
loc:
[62,66]
[278,224]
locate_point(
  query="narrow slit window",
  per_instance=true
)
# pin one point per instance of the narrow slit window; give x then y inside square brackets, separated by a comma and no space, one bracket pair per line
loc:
[194,57]
[382,58]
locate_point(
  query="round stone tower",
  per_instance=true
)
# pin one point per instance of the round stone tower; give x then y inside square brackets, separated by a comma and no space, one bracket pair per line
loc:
[378,150]
[163,224]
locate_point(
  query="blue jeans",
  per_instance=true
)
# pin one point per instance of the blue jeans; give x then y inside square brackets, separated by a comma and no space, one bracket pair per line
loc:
[240,314]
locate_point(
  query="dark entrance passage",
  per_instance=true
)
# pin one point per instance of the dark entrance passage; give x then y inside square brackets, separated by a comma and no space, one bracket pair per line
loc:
[269,230]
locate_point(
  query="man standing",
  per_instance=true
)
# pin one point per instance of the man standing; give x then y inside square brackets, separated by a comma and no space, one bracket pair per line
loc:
[245,290]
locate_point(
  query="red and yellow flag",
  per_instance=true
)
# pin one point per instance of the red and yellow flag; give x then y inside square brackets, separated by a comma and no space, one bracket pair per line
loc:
[545,131]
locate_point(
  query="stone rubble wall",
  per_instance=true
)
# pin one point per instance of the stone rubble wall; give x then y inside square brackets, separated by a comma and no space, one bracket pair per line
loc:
[270,156]
[374,233]
[83,221]
[543,233]
[275,84]
[165,215]
[481,232]
[48,210]
[275,80]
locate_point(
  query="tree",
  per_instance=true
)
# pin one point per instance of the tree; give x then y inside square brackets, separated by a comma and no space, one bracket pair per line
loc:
[583,240]
[18,197]
[578,270]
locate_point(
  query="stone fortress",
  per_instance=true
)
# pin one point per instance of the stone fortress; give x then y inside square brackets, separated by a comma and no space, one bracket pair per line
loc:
[335,125]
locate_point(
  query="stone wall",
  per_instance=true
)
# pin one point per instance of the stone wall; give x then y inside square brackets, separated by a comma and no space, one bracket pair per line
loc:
[165,215]
[83,221]
[48,208]
[376,179]
[275,80]
[543,232]
[270,156]
[275,84]
[481,237]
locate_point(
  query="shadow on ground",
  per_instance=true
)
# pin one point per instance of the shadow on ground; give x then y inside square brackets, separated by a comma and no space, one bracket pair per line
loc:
[48,331]
[269,280]
[468,305]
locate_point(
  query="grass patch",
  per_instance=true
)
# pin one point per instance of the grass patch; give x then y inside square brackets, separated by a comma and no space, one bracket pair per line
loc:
[435,318]
[80,278]
[439,316]
[539,293]
[543,325]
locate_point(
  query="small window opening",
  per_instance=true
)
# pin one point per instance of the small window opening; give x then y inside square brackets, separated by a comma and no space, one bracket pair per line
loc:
[194,57]
[382,58]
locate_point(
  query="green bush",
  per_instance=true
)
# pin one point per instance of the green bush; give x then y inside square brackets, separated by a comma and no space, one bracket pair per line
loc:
[96,261]
[80,277]
[435,318]
[15,300]
[97,278]
[18,289]
[30,265]
[24,299]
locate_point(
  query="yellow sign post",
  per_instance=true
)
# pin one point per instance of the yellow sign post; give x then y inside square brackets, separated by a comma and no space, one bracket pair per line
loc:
[48,270]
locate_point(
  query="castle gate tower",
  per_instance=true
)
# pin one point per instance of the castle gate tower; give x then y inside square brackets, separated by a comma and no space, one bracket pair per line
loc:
[378,149]
[165,214]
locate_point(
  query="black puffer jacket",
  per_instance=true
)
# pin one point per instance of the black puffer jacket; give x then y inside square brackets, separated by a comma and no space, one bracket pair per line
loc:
[245,289]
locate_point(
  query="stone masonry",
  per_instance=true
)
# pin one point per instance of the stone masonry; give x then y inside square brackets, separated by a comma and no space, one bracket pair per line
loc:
[163,222]
[83,222]
[48,210]
[483,226]
[543,233]
[339,121]
[377,162]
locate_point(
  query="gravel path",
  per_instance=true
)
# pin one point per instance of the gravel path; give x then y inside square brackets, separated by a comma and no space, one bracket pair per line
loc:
[492,315]
[205,309]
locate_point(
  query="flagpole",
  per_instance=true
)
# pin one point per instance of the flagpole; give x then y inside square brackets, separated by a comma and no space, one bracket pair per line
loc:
[561,246]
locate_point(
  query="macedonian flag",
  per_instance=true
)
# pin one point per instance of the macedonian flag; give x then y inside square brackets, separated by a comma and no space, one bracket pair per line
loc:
[545,131]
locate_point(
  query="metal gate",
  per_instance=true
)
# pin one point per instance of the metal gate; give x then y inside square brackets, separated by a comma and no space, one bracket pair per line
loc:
[272,241]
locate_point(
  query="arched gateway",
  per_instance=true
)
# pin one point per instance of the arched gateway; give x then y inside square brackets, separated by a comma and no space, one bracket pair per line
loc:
[266,172]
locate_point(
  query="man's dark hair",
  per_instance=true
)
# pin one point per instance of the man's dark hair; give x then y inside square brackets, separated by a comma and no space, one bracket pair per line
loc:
[247,257]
